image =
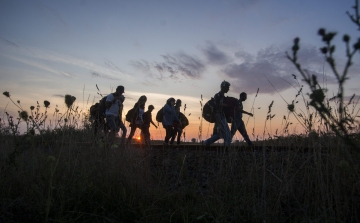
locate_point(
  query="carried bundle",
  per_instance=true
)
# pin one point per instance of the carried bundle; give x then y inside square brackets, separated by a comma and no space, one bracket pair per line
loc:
[184,121]
[208,112]
[230,110]
[209,109]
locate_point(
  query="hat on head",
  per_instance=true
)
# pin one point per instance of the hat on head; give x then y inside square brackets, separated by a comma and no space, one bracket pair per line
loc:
[120,89]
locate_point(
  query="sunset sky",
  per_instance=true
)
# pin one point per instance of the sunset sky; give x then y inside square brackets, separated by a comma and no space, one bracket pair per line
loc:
[161,49]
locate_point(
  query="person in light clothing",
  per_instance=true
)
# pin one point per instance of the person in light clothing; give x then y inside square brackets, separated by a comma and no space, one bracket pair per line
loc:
[113,104]
[169,117]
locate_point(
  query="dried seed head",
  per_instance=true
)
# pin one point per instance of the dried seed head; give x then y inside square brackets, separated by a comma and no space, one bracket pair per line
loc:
[296,40]
[24,115]
[346,38]
[291,108]
[7,94]
[32,108]
[321,32]
[69,100]
[46,104]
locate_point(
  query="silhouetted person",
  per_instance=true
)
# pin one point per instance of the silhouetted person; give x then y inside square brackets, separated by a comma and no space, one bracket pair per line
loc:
[147,117]
[238,123]
[137,119]
[177,130]
[113,103]
[169,117]
[222,127]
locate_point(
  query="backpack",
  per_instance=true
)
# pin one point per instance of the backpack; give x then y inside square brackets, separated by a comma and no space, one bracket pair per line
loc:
[102,106]
[97,110]
[208,111]
[94,110]
[184,121]
[130,115]
[159,115]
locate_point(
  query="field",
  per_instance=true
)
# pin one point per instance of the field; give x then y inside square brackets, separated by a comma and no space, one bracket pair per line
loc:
[55,178]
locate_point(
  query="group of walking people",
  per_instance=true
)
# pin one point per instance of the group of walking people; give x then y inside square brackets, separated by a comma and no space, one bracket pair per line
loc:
[221,127]
[170,118]
[138,118]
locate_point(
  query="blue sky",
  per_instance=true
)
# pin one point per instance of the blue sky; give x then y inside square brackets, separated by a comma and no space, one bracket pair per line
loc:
[162,49]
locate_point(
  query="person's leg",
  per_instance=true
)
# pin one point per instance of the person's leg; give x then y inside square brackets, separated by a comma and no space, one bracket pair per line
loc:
[227,135]
[214,137]
[173,135]
[146,132]
[168,129]
[242,130]
[124,131]
[132,132]
[179,132]
[234,126]
[110,119]
[223,129]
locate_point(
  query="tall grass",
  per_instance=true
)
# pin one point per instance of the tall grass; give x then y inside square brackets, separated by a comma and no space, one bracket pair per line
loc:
[65,180]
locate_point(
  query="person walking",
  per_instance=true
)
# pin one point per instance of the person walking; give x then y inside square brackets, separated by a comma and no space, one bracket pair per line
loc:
[169,117]
[113,104]
[177,130]
[147,117]
[238,123]
[222,127]
[137,118]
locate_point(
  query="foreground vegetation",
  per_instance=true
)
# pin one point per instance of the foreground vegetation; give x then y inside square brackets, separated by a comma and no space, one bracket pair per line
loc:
[65,176]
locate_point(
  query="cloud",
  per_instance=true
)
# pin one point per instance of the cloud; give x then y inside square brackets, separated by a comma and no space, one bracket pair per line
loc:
[184,64]
[214,55]
[250,76]
[111,65]
[40,66]
[174,66]
[270,70]
[8,42]
[96,74]
[58,95]
[142,65]
[111,70]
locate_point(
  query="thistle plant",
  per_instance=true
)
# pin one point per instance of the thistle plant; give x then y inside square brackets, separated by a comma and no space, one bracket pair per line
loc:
[341,122]
[33,121]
